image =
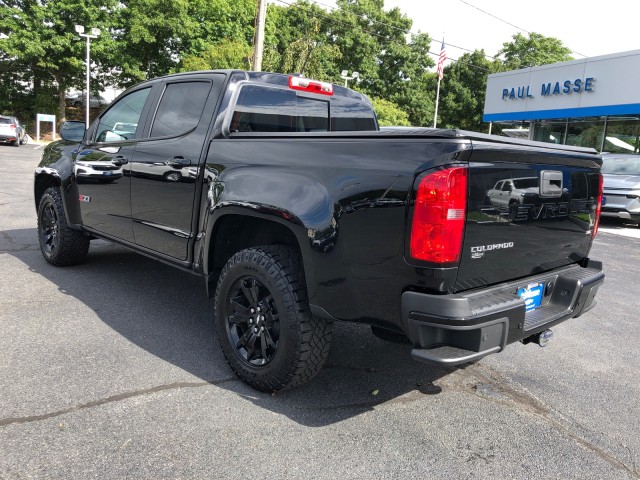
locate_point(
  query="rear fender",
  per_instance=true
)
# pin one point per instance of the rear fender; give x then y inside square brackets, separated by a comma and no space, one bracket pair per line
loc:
[295,202]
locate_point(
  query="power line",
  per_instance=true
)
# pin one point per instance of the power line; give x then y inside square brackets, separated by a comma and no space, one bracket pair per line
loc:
[335,20]
[405,31]
[508,23]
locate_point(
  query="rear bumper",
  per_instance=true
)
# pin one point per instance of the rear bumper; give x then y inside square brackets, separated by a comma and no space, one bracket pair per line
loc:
[459,328]
[624,214]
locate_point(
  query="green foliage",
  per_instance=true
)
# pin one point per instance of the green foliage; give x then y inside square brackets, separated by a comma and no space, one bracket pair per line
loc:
[462,92]
[533,50]
[389,114]
[373,43]
[225,54]
[416,92]
[42,56]
[43,49]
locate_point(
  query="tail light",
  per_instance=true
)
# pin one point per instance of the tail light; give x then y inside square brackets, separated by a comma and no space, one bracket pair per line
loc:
[437,228]
[12,126]
[596,224]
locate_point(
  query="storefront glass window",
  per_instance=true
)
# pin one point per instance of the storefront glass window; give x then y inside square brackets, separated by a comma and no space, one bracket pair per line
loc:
[585,134]
[623,135]
[550,132]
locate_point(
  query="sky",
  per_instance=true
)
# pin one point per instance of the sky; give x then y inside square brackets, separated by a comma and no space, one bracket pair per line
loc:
[587,28]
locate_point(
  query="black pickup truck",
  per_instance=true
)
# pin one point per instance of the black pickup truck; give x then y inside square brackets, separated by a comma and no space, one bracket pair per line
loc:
[283,193]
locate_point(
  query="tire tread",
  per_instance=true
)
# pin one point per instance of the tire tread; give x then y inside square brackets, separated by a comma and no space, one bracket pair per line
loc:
[314,333]
[73,244]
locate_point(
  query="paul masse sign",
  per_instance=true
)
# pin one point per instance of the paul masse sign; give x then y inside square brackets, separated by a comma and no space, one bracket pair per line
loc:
[597,86]
[558,88]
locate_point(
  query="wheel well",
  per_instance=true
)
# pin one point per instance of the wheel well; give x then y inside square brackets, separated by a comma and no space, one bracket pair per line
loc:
[234,233]
[42,182]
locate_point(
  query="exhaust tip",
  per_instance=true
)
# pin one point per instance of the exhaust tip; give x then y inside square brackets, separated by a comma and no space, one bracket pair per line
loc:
[543,338]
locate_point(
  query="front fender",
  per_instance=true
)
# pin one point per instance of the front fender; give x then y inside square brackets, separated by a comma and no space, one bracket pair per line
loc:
[56,168]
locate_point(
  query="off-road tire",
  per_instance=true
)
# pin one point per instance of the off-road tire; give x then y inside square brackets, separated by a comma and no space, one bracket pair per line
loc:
[390,335]
[60,245]
[296,344]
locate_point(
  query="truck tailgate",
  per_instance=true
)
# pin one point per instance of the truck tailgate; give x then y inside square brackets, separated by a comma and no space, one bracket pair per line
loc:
[528,212]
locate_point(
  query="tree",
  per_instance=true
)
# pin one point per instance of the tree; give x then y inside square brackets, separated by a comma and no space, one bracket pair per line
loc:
[44,51]
[225,54]
[373,43]
[297,41]
[416,91]
[533,50]
[152,36]
[389,114]
[155,36]
[463,90]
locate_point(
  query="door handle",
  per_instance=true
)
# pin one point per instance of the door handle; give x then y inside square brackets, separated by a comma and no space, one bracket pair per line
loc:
[179,162]
[119,161]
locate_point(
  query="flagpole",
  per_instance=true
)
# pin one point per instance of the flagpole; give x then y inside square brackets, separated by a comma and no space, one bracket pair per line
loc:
[435,115]
[441,59]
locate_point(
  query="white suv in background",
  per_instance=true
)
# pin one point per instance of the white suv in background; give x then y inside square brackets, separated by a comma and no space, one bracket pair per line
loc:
[11,131]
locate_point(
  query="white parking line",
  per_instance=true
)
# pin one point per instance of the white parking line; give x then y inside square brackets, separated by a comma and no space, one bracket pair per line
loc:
[631,231]
[39,146]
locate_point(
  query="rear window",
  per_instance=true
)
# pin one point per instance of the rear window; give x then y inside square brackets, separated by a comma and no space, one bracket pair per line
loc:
[266,109]
[5,121]
[261,109]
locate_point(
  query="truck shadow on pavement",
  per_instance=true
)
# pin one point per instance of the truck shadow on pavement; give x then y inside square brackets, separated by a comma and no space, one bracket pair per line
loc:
[167,313]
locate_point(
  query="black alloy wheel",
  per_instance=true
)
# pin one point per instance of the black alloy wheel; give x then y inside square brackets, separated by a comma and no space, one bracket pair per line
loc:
[60,245]
[265,327]
[50,228]
[252,321]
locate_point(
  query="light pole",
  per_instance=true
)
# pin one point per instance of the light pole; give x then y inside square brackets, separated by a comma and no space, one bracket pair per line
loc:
[345,75]
[94,34]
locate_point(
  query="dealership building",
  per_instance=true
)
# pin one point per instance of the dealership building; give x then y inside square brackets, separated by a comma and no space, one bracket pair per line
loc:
[593,102]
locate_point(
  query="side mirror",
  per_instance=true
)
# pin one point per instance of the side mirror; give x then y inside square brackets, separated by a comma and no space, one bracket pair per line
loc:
[72,131]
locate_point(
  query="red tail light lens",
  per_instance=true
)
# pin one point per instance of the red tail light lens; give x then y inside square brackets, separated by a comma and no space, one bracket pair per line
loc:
[437,228]
[13,126]
[596,224]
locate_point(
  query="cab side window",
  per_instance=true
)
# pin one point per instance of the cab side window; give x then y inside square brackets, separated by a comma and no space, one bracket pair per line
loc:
[180,108]
[121,121]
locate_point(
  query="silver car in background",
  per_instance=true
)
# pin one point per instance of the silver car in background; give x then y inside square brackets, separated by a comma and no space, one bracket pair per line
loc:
[621,175]
[11,131]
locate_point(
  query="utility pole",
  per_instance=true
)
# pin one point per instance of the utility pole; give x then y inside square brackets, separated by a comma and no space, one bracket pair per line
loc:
[94,34]
[259,43]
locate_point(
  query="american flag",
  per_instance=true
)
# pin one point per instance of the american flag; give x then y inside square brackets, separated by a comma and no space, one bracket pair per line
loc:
[441,59]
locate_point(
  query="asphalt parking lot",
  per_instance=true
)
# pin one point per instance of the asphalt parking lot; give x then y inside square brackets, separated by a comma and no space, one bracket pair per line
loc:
[111,370]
